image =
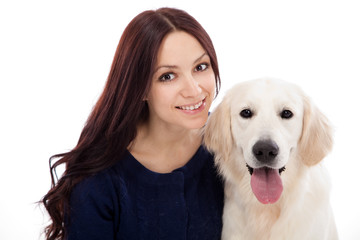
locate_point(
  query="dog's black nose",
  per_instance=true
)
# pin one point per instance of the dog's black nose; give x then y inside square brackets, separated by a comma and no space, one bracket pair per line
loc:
[265,150]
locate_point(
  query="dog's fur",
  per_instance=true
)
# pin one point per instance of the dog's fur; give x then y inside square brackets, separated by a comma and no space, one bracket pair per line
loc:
[303,210]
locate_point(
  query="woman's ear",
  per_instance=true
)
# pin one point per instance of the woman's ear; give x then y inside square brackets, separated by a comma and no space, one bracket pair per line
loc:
[217,132]
[317,136]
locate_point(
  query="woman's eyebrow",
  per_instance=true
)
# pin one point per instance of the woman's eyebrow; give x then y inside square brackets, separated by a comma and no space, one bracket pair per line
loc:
[174,66]
[165,66]
[199,58]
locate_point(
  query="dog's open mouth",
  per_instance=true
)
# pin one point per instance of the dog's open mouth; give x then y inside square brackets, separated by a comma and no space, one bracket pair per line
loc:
[266,183]
[251,170]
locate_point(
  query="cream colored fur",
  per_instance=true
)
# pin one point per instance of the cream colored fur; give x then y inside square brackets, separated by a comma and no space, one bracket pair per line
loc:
[303,210]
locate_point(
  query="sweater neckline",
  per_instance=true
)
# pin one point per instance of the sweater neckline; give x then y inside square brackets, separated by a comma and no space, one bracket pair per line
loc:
[190,169]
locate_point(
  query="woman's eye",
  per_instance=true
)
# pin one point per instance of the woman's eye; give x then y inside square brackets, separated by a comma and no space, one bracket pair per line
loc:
[201,67]
[286,114]
[167,77]
[246,113]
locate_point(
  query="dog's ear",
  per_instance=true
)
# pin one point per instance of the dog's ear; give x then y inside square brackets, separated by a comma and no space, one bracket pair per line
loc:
[217,132]
[316,140]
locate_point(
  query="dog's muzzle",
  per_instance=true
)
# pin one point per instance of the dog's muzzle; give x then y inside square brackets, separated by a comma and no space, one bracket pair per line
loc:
[266,182]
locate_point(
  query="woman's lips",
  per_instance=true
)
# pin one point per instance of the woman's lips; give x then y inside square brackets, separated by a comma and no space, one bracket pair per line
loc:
[193,108]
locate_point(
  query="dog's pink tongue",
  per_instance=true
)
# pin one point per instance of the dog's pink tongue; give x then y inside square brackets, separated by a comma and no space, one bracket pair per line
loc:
[266,184]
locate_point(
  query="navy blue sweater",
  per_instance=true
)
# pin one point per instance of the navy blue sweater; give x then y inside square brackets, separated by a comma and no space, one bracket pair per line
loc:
[128,201]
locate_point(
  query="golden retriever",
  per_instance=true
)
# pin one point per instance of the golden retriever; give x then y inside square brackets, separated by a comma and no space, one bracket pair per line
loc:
[268,140]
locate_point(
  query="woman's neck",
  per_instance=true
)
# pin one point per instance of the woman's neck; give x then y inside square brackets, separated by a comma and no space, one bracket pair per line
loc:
[161,148]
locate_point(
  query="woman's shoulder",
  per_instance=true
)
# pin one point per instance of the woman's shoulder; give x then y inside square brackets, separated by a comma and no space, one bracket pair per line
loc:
[94,204]
[104,184]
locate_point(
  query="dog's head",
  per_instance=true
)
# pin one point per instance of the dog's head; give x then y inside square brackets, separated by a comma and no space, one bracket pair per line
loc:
[261,125]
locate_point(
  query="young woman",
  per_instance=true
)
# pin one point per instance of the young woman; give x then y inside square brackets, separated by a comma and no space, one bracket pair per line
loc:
[139,170]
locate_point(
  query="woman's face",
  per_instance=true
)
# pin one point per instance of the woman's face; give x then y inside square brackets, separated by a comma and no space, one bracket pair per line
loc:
[183,84]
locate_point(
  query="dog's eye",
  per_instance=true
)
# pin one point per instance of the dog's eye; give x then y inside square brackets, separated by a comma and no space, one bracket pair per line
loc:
[246,113]
[286,114]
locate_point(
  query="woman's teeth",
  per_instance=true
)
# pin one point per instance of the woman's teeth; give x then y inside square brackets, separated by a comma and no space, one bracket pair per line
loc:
[192,107]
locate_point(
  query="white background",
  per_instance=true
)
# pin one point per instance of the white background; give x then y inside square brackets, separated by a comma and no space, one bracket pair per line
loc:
[55,57]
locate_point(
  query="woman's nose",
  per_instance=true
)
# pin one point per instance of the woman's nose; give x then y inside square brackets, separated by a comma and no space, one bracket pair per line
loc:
[191,87]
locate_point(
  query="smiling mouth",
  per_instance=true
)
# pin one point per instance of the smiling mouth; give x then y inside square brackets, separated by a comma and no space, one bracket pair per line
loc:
[191,107]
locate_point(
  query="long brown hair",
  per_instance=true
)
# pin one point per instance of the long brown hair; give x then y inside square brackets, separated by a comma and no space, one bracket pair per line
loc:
[112,123]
